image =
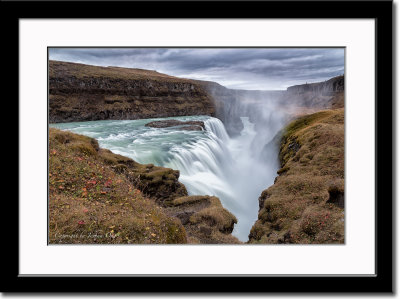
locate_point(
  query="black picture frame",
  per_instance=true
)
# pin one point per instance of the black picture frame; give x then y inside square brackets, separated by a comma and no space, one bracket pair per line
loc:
[381,11]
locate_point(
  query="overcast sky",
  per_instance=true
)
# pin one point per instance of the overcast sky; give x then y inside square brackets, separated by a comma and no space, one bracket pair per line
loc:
[247,68]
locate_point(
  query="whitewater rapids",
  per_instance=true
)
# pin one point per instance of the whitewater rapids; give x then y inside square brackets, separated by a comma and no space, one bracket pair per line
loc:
[210,162]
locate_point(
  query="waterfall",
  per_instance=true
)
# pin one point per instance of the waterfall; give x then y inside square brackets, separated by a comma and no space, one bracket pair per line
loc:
[235,169]
[228,168]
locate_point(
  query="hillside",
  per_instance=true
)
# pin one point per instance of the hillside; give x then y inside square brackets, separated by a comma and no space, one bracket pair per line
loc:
[79,92]
[306,202]
[96,196]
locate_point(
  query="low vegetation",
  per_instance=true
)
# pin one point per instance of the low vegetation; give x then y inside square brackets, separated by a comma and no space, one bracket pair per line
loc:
[306,202]
[96,196]
[90,202]
[79,70]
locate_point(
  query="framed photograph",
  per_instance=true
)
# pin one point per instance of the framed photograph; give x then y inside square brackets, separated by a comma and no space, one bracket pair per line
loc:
[200,148]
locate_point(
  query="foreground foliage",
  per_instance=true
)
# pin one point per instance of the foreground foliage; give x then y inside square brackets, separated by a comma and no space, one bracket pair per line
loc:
[91,202]
[96,196]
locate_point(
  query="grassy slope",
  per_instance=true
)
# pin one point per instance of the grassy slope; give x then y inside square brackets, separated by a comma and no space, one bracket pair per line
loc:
[79,70]
[96,196]
[304,204]
[89,202]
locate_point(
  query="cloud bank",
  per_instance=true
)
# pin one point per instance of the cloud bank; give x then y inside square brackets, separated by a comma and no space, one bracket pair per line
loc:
[238,68]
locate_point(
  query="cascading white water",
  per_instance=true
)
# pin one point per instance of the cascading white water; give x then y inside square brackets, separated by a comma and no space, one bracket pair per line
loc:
[228,168]
[210,162]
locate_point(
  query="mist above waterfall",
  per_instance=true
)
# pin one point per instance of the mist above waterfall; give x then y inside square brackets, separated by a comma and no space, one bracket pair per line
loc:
[252,119]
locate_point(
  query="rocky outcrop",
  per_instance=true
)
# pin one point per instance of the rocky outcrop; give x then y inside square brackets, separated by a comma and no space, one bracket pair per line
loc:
[94,196]
[156,182]
[204,219]
[94,192]
[79,92]
[181,125]
[306,202]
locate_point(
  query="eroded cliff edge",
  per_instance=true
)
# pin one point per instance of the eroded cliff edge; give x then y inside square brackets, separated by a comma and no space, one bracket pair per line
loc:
[306,202]
[79,92]
[96,196]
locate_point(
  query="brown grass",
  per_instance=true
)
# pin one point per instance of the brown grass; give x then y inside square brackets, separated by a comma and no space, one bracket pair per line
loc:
[90,202]
[79,70]
[96,196]
[295,208]
[216,215]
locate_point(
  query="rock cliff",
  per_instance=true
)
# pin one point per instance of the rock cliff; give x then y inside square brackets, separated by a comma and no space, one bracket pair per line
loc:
[330,86]
[327,94]
[79,92]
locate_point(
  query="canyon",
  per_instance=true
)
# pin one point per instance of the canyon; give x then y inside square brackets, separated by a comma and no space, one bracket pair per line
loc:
[299,130]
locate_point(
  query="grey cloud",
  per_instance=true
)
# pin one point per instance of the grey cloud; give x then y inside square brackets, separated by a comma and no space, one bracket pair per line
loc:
[242,68]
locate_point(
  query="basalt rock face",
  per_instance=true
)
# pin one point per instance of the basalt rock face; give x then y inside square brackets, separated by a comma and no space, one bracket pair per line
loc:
[327,94]
[79,92]
[330,86]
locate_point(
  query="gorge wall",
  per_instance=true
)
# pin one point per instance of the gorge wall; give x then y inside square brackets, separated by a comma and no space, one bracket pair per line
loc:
[79,92]
[231,104]
[306,202]
[324,95]
[330,86]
